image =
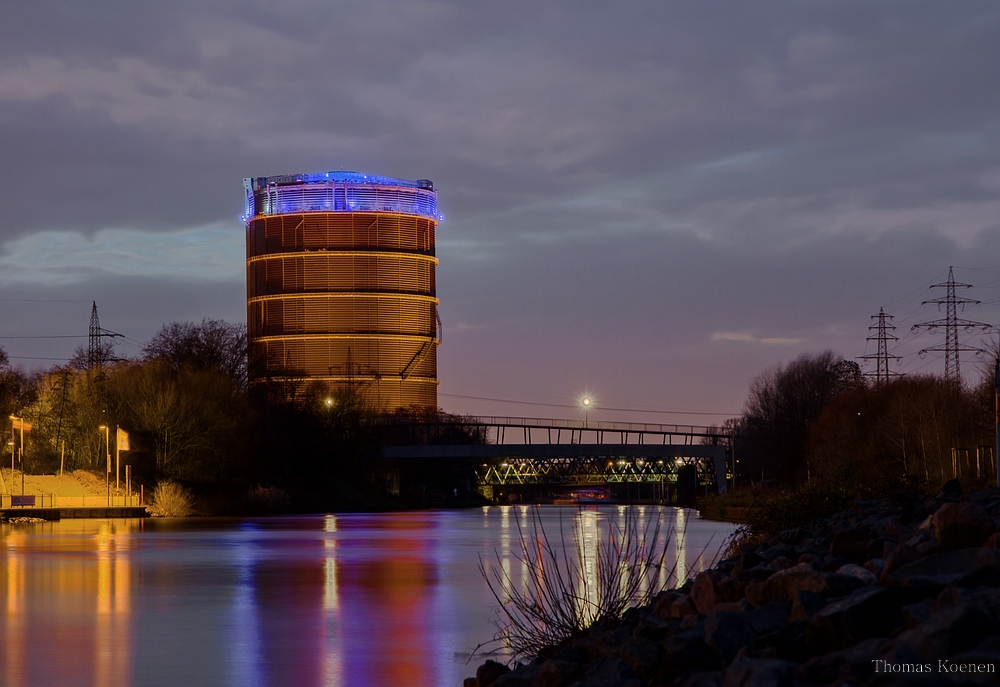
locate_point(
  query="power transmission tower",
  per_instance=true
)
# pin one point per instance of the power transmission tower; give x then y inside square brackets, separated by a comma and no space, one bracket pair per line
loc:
[883,329]
[952,347]
[97,355]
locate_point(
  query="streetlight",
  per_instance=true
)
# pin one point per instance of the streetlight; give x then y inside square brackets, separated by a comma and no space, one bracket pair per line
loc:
[107,451]
[586,402]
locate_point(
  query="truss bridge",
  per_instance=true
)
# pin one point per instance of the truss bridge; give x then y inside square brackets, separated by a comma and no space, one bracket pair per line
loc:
[512,452]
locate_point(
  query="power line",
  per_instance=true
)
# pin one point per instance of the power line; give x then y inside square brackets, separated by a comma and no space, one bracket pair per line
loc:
[58,336]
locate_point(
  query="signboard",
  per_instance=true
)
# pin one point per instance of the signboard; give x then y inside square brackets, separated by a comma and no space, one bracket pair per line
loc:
[22,501]
[18,424]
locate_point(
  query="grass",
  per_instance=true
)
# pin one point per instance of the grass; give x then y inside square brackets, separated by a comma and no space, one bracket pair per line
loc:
[170,500]
[573,586]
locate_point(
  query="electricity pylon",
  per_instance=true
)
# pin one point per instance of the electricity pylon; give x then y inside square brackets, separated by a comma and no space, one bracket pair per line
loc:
[97,353]
[883,329]
[952,347]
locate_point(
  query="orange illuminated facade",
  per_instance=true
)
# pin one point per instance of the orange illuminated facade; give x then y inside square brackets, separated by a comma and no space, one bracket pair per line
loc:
[341,285]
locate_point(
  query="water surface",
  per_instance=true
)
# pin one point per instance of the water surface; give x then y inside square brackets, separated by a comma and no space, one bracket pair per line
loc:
[335,600]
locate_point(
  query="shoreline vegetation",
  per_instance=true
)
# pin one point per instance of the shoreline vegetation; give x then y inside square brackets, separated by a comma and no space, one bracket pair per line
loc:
[192,420]
[904,584]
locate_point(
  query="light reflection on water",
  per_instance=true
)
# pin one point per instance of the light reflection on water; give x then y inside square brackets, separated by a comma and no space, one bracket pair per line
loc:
[358,599]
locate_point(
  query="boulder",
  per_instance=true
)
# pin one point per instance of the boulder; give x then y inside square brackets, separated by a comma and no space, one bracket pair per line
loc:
[728,632]
[805,605]
[558,673]
[780,563]
[785,584]
[900,556]
[962,524]
[522,676]
[851,545]
[488,673]
[868,612]
[951,630]
[949,566]
[682,606]
[866,576]
[712,587]
[606,672]
[758,672]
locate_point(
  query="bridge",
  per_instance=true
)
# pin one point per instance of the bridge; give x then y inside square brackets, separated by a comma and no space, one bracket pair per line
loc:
[513,452]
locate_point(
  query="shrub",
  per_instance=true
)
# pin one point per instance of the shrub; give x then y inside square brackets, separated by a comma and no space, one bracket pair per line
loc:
[571,591]
[170,500]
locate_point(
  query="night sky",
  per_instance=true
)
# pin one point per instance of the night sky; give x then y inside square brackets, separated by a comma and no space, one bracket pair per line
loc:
[652,202]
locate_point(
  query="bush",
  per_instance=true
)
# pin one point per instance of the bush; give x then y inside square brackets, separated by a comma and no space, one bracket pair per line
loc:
[570,590]
[170,500]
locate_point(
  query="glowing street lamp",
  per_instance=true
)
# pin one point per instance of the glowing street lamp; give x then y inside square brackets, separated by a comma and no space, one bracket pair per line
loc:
[586,402]
[107,450]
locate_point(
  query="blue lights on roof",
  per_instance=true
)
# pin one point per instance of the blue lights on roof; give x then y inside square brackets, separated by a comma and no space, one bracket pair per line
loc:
[338,192]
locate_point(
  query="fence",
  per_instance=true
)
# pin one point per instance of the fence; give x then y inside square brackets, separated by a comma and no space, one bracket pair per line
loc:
[51,501]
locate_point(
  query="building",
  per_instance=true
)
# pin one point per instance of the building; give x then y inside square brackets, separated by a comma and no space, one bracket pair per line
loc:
[341,285]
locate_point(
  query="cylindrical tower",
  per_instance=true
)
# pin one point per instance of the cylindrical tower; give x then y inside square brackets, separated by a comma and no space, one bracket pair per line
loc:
[341,285]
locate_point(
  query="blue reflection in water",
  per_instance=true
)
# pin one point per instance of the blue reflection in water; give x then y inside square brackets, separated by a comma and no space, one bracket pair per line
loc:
[244,630]
[348,600]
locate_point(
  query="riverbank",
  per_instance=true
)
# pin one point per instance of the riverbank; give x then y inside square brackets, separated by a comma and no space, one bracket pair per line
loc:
[908,585]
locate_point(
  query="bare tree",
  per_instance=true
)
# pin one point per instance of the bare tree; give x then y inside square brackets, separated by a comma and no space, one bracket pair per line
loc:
[210,345]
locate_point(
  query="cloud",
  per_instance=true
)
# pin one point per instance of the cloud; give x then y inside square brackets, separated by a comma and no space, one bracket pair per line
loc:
[211,253]
[742,336]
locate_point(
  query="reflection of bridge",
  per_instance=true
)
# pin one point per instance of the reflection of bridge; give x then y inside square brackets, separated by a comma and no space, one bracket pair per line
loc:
[529,451]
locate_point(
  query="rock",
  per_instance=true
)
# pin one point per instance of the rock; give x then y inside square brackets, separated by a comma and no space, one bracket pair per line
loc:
[786,643]
[640,655]
[606,672]
[712,587]
[805,605]
[960,525]
[866,576]
[663,602]
[757,672]
[780,563]
[947,567]
[850,544]
[951,489]
[558,673]
[523,676]
[682,606]
[852,666]
[840,585]
[950,630]
[868,612]
[488,673]
[914,614]
[727,633]
[900,556]
[784,585]
[702,678]
[686,654]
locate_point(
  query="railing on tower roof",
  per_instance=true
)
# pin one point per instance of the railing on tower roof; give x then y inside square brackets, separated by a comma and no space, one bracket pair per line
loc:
[338,192]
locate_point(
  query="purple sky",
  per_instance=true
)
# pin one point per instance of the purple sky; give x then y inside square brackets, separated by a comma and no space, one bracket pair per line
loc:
[650,201]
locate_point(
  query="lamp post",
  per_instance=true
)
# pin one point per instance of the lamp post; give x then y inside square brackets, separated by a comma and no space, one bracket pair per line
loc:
[586,402]
[107,451]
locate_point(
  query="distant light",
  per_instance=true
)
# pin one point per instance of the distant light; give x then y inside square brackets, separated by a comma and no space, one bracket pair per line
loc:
[329,402]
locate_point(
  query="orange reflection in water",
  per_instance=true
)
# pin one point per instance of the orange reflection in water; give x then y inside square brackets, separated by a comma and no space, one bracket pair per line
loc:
[385,601]
[76,629]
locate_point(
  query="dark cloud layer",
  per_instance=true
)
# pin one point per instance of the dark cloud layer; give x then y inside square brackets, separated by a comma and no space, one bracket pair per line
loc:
[654,200]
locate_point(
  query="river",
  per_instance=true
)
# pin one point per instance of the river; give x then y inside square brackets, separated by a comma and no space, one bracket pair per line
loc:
[336,600]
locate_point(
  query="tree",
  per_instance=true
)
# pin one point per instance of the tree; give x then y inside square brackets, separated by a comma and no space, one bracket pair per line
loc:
[211,345]
[773,431]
